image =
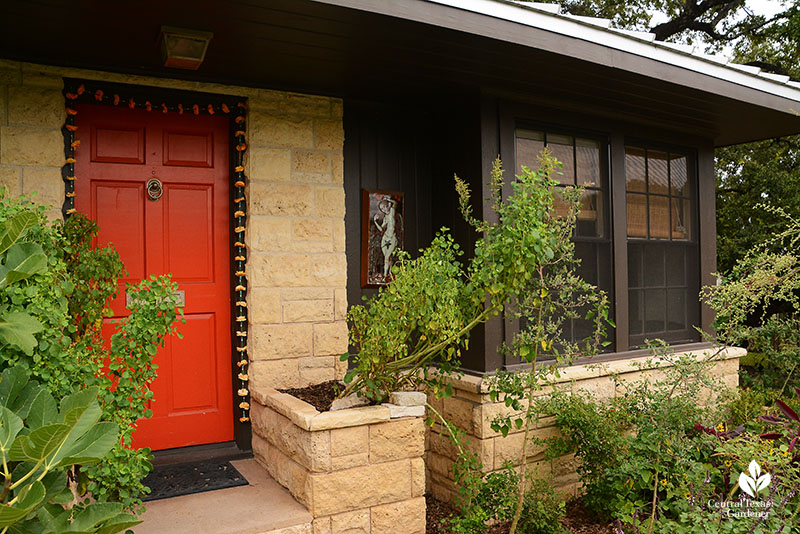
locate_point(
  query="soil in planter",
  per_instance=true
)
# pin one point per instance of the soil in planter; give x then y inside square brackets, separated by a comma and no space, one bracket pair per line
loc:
[320,396]
[437,511]
[577,519]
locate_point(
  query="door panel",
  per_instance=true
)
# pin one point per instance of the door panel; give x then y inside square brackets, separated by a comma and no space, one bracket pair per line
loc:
[184,233]
[189,149]
[194,390]
[117,145]
[190,212]
[118,208]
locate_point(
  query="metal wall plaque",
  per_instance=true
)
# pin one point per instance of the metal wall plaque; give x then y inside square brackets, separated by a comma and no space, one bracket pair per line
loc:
[130,298]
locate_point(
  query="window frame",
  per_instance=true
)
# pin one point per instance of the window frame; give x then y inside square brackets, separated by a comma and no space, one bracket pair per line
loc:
[499,119]
[607,239]
[693,277]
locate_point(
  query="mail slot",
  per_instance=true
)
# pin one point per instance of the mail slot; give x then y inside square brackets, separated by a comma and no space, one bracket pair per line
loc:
[130,298]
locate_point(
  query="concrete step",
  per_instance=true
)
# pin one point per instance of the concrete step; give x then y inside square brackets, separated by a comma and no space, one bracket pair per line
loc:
[262,507]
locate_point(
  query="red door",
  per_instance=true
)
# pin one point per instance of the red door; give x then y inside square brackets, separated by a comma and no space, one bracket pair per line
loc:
[184,232]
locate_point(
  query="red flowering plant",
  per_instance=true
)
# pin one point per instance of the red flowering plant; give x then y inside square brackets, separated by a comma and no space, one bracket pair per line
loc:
[788,427]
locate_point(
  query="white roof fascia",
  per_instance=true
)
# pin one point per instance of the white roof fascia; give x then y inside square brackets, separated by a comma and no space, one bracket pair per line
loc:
[637,43]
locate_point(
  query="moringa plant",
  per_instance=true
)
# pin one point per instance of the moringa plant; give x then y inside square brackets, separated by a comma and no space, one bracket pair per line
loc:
[424,317]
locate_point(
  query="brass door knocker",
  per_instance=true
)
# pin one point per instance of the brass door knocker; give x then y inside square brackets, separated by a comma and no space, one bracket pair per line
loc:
[154,189]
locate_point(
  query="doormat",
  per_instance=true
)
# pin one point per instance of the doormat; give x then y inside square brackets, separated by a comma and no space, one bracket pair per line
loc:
[184,479]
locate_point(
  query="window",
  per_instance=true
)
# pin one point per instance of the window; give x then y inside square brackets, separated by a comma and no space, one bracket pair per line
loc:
[663,274]
[585,163]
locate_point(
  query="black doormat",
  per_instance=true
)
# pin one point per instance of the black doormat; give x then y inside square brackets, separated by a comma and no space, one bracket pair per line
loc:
[184,479]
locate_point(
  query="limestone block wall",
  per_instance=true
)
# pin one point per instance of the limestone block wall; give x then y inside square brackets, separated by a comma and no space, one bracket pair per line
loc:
[297,265]
[357,470]
[472,410]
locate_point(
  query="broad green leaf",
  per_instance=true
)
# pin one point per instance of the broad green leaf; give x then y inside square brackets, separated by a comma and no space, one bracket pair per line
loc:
[39,444]
[96,514]
[120,524]
[43,410]
[10,425]
[33,497]
[22,261]
[54,483]
[92,446]
[97,518]
[12,382]
[14,229]
[81,421]
[78,399]
[17,328]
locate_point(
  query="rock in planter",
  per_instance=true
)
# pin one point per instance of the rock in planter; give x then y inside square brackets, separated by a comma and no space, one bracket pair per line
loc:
[408,398]
[396,411]
[351,401]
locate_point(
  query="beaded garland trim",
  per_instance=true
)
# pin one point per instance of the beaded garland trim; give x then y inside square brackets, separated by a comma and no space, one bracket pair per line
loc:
[79,91]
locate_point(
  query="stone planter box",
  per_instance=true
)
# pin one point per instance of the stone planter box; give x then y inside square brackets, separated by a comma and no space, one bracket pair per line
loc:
[472,410]
[358,471]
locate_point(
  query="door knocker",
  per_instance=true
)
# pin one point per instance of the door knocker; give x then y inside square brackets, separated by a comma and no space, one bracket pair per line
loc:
[154,189]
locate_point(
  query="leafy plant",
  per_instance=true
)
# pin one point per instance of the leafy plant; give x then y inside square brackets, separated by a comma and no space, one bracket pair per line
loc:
[19,261]
[635,449]
[496,500]
[39,442]
[553,295]
[425,315]
[68,299]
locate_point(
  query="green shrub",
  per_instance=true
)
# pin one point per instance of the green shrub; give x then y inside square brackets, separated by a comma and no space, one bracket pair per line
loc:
[636,448]
[496,500]
[68,300]
[743,406]
[39,442]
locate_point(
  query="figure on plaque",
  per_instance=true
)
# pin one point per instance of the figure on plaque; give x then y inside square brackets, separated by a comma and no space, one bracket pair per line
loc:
[387,229]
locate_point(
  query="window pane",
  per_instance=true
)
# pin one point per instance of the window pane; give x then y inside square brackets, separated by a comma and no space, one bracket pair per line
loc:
[587,157]
[587,253]
[637,215]
[590,218]
[635,266]
[659,217]
[529,145]
[681,218]
[581,328]
[635,309]
[561,147]
[635,169]
[653,265]
[676,267]
[657,176]
[676,309]
[655,308]
[561,206]
[678,175]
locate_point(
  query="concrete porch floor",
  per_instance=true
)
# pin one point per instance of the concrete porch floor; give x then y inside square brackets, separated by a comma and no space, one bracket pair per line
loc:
[262,507]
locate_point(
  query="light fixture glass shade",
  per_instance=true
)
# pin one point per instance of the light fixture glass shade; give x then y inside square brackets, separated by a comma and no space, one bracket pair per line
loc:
[182,48]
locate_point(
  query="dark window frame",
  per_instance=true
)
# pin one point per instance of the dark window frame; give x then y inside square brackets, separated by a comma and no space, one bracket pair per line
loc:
[499,117]
[692,285]
[607,238]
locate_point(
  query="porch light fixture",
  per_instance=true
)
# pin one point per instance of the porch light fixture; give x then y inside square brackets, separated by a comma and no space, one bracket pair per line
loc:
[182,48]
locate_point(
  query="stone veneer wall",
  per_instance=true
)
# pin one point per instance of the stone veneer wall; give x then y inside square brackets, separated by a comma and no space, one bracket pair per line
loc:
[472,410]
[297,266]
[357,470]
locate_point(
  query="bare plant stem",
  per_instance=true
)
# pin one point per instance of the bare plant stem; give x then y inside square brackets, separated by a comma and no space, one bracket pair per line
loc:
[528,416]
